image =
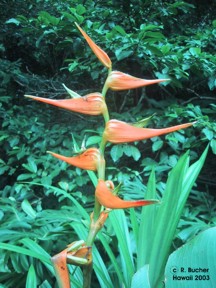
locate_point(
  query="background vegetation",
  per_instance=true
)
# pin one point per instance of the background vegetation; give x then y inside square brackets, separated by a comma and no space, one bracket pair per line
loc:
[40,48]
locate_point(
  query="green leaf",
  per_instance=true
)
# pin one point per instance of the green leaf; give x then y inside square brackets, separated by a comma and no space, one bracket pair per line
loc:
[143,122]
[93,140]
[157,145]
[80,9]
[116,152]
[197,253]
[131,151]
[147,224]
[31,278]
[213,145]
[212,83]
[112,257]
[31,166]
[27,208]
[45,284]
[195,51]
[208,133]
[69,91]
[120,30]
[165,222]
[122,53]
[119,222]
[18,249]
[141,278]
[13,21]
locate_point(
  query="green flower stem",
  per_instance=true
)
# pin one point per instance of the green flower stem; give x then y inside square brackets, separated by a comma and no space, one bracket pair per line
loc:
[101,175]
[102,145]
[105,88]
[95,227]
[98,217]
[106,116]
[97,210]
[87,272]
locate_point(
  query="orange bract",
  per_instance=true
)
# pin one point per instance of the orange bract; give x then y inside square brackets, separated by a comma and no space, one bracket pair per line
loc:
[120,132]
[91,104]
[121,81]
[109,200]
[60,265]
[88,160]
[101,55]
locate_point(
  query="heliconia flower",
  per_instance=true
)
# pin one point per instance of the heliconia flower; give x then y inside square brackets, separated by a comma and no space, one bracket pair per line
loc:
[107,199]
[117,81]
[91,104]
[60,265]
[120,132]
[101,55]
[90,159]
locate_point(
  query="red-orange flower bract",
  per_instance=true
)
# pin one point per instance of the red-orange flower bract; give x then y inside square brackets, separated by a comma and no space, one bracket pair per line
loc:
[107,199]
[120,132]
[117,80]
[90,159]
[60,265]
[101,55]
[91,104]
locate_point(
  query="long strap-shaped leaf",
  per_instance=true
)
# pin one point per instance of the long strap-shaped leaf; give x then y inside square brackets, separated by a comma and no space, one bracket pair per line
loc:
[147,225]
[166,214]
[179,184]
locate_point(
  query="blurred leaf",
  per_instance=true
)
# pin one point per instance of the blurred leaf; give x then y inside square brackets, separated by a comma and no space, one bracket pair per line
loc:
[196,254]
[141,278]
[116,152]
[213,145]
[157,145]
[27,208]
[31,278]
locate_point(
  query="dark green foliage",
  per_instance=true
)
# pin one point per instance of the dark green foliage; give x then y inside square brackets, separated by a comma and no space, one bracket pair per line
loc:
[40,49]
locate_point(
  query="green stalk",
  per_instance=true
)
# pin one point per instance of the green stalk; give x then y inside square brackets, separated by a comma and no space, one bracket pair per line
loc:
[87,272]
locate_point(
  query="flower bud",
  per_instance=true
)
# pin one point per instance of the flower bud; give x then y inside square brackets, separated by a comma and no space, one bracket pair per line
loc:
[101,55]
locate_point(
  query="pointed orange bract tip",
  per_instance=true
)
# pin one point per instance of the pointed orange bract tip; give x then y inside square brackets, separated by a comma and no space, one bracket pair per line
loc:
[101,55]
[121,81]
[107,199]
[60,265]
[120,132]
[91,104]
[89,160]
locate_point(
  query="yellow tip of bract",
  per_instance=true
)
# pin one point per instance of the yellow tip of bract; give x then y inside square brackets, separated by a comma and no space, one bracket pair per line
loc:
[101,55]
[120,81]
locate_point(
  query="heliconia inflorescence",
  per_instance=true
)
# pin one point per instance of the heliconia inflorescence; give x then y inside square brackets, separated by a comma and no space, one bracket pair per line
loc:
[92,159]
